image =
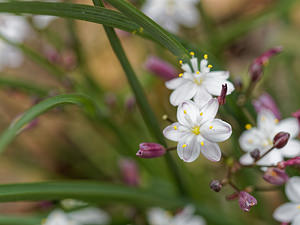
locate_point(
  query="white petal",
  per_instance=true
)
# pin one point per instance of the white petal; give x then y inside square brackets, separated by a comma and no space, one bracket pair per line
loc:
[186,67]
[209,110]
[202,97]
[189,149]
[289,125]
[292,149]
[223,75]
[216,130]
[296,220]
[158,216]
[292,189]
[57,217]
[266,121]
[246,159]
[203,66]
[185,9]
[188,113]
[214,86]
[175,83]
[251,139]
[286,212]
[89,216]
[175,132]
[270,159]
[184,92]
[194,62]
[211,151]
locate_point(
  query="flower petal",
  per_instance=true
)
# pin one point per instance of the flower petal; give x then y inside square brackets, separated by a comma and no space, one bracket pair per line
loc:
[209,110]
[189,149]
[292,189]
[211,151]
[183,92]
[202,97]
[224,75]
[296,220]
[289,125]
[175,83]
[194,62]
[158,216]
[216,130]
[292,149]
[188,113]
[214,86]
[266,121]
[270,159]
[203,66]
[286,212]
[251,139]
[246,159]
[89,215]
[186,67]
[175,132]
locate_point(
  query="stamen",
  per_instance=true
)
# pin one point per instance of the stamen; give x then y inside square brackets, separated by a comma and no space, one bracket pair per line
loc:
[276,120]
[248,126]
[263,118]
[180,62]
[211,127]
[180,75]
[198,72]
[184,111]
[210,66]
[196,130]
[184,145]
[201,114]
[205,56]
[192,53]
[175,127]
[298,206]
[202,143]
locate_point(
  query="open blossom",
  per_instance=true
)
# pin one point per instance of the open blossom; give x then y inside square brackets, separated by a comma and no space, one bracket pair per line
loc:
[78,217]
[198,83]
[261,138]
[171,13]
[290,212]
[265,101]
[197,131]
[158,216]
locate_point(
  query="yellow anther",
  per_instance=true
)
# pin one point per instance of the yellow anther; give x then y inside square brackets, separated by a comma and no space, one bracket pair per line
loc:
[205,56]
[192,53]
[196,130]
[248,126]
[263,118]
[298,206]
[164,117]
[198,72]
[184,145]
[175,127]
[210,66]
[184,111]
[201,114]
[276,120]
[180,75]
[211,127]
[202,143]
[180,62]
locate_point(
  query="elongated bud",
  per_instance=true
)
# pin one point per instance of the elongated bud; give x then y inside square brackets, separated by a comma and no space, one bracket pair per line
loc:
[265,101]
[275,176]
[255,154]
[246,201]
[216,185]
[256,68]
[222,97]
[297,116]
[130,172]
[281,139]
[150,150]
[161,68]
[291,162]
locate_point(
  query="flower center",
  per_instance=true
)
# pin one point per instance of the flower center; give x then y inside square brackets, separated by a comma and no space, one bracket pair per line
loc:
[198,81]
[196,130]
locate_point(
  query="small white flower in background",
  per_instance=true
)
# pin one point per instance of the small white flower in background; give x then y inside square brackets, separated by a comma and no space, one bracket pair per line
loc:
[198,82]
[261,138]
[158,216]
[172,13]
[290,212]
[79,217]
[197,131]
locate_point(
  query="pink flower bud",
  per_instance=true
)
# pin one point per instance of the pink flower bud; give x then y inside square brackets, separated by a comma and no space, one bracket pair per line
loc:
[256,68]
[246,201]
[297,116]
[255,154]
[130,172]
[281,139]
[222,97]
[150,150]
[216,185]
[291,162]
[160,68]
[265,101]
[276,176]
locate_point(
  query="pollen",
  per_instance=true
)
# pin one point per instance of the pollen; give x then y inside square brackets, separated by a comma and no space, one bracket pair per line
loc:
[210,127]
[184,111]
[196,130]
[180,62]
[202,143]
[175,127]
[248,126]
[192,53]
[184,145]
[198,72]
[201,114]
[205,56]
[210,66]
[180,75]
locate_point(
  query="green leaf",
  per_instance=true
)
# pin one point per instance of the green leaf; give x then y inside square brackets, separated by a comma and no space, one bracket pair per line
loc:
[12,131]
[19,220]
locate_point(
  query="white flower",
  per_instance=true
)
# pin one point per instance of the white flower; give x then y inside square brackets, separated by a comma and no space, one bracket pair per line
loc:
[261,137]
[197,131]
[158,216]
[290,212]
[80,217]
[198,83]
[170,13]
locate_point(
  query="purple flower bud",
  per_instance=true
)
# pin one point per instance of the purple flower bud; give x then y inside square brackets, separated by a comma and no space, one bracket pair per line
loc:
[222,97]
[246,201]
[281,139]
[130,103]
[256,68]
[216,185]
[160,68]
[130,172]
[297,116]
[291,162]
[52,55]
[276,176]
[255,154]
[110,99]
[265,101]
[150,150]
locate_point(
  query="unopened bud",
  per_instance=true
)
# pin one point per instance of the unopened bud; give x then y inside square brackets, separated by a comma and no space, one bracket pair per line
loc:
[297,116]
[216,185]
[150,150]
[161,68]
[255,154]
[222,97]
[246,201]
[265,101]
[281,139]
[275,176]
[291,162]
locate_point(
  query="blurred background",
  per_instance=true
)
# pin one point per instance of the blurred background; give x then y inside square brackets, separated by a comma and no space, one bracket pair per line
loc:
[65,144]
